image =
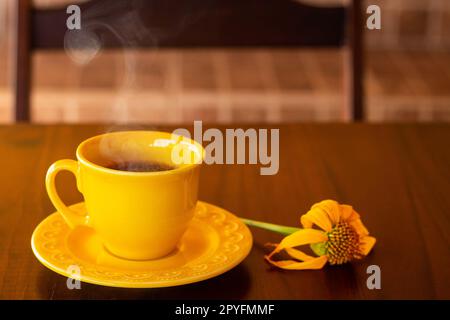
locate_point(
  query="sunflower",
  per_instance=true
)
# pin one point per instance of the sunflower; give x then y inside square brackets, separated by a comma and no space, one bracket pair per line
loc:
[340,237]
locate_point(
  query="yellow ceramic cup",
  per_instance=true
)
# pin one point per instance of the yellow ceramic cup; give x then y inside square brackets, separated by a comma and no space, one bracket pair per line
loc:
[138,215]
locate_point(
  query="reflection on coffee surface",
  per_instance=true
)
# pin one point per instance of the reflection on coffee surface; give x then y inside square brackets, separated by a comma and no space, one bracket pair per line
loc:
[140,166]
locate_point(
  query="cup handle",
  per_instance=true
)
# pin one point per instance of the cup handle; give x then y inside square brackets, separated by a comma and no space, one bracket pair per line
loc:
[72,218]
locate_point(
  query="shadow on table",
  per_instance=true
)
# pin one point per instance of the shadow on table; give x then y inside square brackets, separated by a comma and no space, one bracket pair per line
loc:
[234,284]
[342,281]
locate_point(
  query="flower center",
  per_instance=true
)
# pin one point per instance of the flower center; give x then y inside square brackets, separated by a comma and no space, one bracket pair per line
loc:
[343,244]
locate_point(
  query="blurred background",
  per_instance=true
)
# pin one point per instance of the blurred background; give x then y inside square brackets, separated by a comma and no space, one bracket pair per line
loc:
[406,73]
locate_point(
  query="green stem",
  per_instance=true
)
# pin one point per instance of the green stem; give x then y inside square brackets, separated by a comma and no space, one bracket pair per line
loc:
[284,230]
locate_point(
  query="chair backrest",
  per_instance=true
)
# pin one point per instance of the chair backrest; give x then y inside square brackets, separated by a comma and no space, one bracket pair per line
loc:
[193,23]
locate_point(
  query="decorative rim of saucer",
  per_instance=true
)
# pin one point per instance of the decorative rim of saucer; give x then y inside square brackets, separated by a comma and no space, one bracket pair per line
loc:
[49,237]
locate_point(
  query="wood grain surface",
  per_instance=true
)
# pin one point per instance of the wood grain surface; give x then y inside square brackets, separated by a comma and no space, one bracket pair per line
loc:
[396,176]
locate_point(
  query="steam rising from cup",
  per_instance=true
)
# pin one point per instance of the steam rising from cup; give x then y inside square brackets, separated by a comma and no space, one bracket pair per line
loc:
[125,25]
[81,45]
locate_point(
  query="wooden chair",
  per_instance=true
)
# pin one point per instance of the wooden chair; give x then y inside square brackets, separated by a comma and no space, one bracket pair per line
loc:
[197,23]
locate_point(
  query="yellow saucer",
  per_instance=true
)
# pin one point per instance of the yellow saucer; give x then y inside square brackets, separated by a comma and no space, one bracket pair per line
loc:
[215,242]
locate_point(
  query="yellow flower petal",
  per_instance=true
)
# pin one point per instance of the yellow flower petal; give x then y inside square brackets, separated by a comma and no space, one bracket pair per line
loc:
[316,263]
[318,217]
[348,213]
[301,237]
[297,254]
[366,244]
[331,207]
[359,227]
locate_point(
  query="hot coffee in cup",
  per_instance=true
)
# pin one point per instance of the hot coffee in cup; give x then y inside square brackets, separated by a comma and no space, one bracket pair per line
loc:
[138,199]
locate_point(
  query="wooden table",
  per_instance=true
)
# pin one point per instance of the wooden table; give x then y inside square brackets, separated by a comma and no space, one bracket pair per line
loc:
[396,176]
